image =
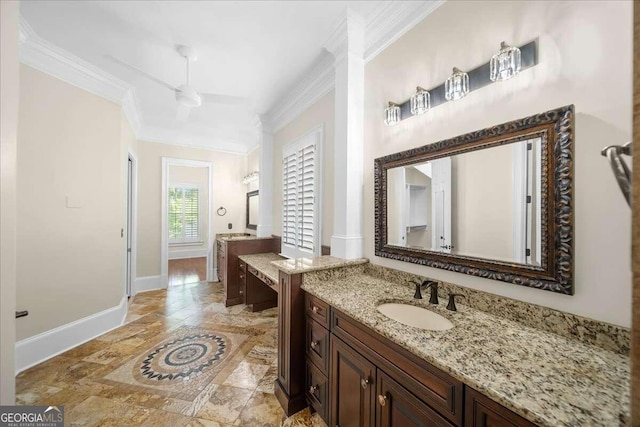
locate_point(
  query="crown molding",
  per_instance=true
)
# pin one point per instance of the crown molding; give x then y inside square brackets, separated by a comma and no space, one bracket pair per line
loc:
[44,56]
[392,21]
[347,36]
[50,59]
[315,83]
[388,24]
[177,137]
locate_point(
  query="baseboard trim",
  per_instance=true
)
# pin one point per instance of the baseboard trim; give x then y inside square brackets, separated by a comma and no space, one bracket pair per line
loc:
[147,283]
[188,253]
[38,348]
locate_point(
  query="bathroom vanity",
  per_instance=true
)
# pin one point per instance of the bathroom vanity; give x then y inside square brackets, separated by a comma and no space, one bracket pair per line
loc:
[363,368]
[228,248]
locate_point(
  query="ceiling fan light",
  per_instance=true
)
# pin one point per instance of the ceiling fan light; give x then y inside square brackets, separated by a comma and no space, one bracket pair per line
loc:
[187,96]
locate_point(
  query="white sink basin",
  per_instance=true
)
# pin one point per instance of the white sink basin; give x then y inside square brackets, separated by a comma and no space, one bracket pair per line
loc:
[417,317]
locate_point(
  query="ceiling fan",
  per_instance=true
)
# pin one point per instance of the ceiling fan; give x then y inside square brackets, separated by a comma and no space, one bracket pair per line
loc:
[186,95]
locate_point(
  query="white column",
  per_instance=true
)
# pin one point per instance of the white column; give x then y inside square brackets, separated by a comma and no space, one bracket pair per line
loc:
[265,197]
[347,46]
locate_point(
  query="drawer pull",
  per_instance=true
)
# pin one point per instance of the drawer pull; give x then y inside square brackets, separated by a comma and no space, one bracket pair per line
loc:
[314,309]
[241,292]
[313,389]
[382,400]
[364,382]
[314,345]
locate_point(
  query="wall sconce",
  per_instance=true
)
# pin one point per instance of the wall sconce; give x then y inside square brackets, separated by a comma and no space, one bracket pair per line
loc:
[392,114]
[252,177]
[506,63]
[456,86]
[420,101]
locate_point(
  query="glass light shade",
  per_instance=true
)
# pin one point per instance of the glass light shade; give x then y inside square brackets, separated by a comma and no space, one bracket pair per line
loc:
[420,101]
[506,63]
[392,114]
[456,86]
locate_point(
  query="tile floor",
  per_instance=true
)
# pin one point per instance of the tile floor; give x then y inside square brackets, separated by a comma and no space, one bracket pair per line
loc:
[181,359]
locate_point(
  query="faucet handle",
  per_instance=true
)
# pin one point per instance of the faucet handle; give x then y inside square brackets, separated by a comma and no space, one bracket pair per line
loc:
[451,306]
[417,294]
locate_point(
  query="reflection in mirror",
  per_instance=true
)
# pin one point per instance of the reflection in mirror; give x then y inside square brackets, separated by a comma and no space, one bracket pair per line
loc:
[252,209]
[482,203]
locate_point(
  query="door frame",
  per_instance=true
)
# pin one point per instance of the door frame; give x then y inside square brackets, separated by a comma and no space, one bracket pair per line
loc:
[131,155]
[164,238]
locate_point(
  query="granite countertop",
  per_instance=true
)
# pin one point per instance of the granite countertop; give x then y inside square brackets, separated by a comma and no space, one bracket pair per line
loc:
[233,238]
[305,265]
[262,263]
[548,379]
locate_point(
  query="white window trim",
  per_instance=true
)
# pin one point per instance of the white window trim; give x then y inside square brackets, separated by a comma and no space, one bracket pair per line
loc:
[189,241]
[288,149]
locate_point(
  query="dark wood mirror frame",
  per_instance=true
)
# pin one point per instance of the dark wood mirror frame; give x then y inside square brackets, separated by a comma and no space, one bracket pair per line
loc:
[555,128]
[251,194]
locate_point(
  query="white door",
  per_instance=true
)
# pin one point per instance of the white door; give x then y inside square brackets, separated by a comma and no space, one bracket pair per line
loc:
[129,223]
[441,207]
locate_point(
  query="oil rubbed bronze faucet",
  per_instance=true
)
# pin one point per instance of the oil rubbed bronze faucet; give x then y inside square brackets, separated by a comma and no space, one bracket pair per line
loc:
[433,299]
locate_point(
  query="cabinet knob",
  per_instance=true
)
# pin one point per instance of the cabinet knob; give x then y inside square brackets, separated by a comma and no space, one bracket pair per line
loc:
[241,292]
[313,389]
[382,400]
[364,382]
[314,309]
[314,345]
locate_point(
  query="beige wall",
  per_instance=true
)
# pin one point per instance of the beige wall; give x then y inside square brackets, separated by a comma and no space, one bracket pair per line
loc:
[321,113]
[9,101]
[227,191]
[482,203]
[200,177]
[69,196]
[584,59]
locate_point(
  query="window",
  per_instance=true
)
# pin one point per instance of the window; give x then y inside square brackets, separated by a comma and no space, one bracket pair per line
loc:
[184,214]
[301,168]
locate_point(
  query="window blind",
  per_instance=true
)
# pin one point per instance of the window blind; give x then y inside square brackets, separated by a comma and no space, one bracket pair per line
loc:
[299,208]
[184,214]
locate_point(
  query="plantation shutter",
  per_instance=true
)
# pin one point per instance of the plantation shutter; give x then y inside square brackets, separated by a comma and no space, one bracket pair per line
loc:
[184,214]
[300,172]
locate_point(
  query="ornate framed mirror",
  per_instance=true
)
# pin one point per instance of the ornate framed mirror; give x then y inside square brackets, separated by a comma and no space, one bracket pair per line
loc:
[252,209]
[494,203]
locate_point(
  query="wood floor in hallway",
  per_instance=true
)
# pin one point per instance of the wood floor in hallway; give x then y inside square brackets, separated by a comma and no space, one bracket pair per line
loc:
[181,359]
[187,271]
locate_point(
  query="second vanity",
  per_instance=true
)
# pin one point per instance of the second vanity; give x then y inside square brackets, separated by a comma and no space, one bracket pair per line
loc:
[363,368]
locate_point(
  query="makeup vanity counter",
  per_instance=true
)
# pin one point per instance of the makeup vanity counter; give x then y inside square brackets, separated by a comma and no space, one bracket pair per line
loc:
[261,263]
[548,379]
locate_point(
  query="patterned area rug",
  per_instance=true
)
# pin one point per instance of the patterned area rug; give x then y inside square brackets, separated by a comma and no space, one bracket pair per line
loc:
[178,366]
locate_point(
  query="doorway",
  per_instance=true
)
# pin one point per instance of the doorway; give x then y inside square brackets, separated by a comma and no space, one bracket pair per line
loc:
[187,229]
[132,174]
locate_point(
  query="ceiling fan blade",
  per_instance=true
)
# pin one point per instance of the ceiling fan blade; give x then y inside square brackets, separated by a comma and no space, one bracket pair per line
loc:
[144,73]
[183,112]
[223,99]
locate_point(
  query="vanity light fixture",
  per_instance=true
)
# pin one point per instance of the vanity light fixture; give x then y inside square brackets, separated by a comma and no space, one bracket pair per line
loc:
[392,114]
[420,101]
[252,177]
[506,63]
[457,85]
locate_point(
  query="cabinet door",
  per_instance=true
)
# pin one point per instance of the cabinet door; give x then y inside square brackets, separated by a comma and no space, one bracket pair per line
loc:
[352,387]
[397,407]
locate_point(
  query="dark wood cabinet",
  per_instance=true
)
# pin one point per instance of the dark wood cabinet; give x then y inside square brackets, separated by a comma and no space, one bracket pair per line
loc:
[481,411]
[397,407]
[352,387]
[375,382]
[290,384]
[229,269]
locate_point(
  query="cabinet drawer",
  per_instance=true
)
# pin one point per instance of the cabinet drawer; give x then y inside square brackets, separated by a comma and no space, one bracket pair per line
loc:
[317,391]
[243,266]
[484,412]
[317,309]
[317,345]
[434,387]
[242,276]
